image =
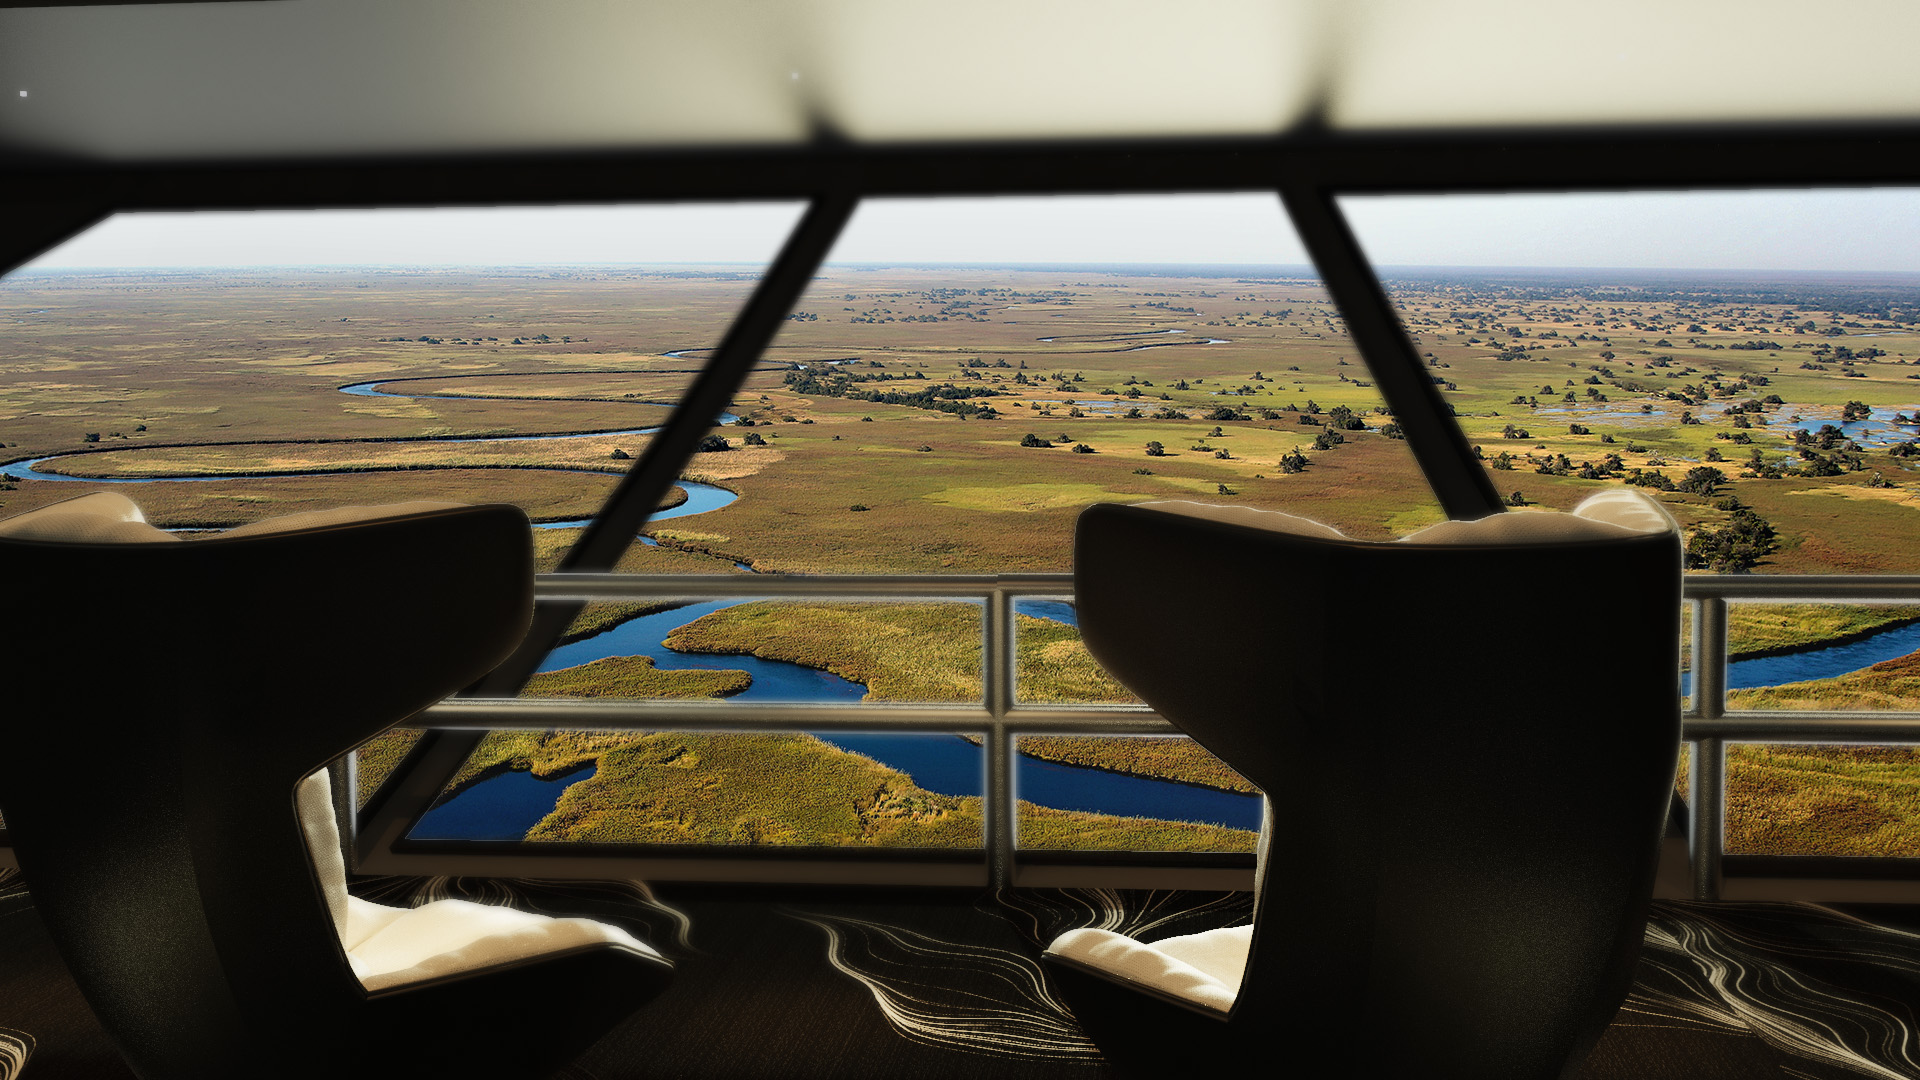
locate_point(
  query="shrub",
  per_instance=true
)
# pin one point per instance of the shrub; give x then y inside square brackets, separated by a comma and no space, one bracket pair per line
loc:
[713,444]
[1030,439]
[1082,448]
[1154,449]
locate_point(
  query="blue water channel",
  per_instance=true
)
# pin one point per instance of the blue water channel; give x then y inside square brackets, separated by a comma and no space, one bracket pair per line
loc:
[1828,663]
[503,807]
[946,764]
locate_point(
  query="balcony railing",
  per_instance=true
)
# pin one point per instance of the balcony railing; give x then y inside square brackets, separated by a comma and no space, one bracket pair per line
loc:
[996,718]
[1708,726]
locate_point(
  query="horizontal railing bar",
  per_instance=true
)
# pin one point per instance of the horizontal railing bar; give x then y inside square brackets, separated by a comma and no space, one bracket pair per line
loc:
[850,586]
[1806,726]
[1813,587]
[483,713]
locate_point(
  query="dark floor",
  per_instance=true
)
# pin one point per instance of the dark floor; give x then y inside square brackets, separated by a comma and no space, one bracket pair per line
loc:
[943,983]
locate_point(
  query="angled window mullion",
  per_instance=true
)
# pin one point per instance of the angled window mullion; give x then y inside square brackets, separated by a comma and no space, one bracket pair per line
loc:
[1462,486]
[426,772]
[33,228]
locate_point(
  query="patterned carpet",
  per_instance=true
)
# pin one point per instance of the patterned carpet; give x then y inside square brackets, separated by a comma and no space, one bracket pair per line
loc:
[947,983]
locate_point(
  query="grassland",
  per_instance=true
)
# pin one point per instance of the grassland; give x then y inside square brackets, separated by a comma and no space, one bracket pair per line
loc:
[1823,800]
[1756,630]
[931,653]
[686,788]
[376,759]
[147,375]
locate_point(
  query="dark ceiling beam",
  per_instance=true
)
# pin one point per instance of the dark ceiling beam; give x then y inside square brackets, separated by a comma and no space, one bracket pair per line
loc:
[1462,160]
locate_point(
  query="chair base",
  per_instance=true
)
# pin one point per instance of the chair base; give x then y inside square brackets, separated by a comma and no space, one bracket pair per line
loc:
[1141,1035]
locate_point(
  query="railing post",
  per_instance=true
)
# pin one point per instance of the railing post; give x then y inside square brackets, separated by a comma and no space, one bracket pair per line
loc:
[997,808]
[1707,771]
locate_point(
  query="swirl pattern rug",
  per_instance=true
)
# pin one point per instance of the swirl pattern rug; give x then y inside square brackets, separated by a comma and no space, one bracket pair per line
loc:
[1812,992]
[1790,990]
[933,983]
[15,1046]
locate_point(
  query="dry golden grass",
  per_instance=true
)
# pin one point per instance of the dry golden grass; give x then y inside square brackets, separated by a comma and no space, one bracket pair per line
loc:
[1823,800]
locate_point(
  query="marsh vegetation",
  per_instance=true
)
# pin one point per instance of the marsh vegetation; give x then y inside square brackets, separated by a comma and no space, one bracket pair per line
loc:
[884,434]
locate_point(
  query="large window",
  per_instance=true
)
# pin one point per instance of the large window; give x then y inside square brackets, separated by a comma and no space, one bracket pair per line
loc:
[223,368]
[959,381]
[1751,358]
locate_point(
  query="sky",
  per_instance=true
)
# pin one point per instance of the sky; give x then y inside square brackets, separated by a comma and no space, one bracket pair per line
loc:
[1830,230]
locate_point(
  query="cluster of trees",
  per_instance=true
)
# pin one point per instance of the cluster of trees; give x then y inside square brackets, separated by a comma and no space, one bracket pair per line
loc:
[1733,548]
[941,397]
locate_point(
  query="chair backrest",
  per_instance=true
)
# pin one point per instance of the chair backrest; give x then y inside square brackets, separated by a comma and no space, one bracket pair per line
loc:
[1467,750]
[185,689]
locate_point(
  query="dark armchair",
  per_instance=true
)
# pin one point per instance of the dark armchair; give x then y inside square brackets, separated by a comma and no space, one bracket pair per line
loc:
[181,691]
[1467,742]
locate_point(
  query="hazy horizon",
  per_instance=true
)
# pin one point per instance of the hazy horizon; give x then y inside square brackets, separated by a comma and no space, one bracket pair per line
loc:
[1835,231]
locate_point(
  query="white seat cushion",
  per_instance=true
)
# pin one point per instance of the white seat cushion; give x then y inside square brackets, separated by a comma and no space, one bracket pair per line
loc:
[390,947]
[106,517]
[1205,968]
[1272,520]
[1606,515]
[451,937]
[103,517]
[339,515]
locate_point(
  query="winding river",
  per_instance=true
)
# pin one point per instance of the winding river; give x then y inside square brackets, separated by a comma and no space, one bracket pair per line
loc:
[505,806]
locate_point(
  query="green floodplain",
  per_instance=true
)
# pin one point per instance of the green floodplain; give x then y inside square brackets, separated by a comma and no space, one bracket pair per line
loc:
[956,420]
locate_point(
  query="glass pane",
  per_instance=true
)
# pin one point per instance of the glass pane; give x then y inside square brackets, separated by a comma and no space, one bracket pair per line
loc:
[1771,406]
[771,651]
[376,759]
[1823,656]
[1131,793]
[220,368]
[1686,656]
[1051,665]
[963,378]
[781,789]
[1823,800]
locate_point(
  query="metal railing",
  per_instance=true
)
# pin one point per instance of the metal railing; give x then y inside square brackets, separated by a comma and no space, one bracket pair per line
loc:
[1708,726]
[996,718]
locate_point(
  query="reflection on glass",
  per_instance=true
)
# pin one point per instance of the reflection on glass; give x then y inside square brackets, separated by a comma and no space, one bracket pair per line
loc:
[1804,799]
[1131,793]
